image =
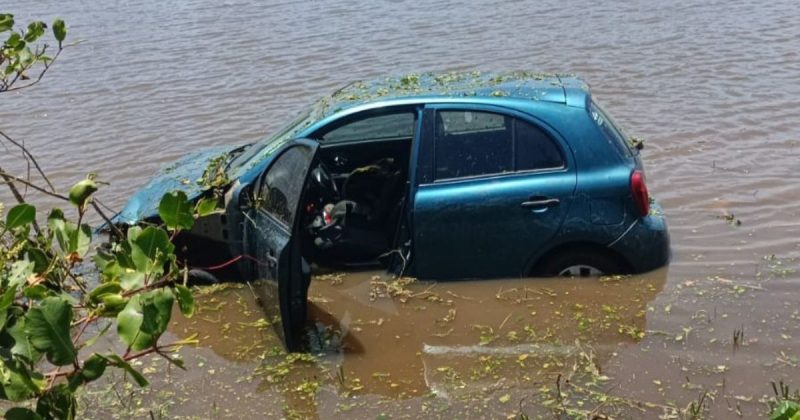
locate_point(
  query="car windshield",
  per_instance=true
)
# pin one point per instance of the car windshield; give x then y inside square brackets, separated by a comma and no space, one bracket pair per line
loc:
[611,131]
[258,150]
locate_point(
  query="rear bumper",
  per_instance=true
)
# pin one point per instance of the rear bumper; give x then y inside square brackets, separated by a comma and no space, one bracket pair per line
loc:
[646,243]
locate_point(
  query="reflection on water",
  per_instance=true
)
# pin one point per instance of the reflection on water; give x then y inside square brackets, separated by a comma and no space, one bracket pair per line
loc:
[476,347]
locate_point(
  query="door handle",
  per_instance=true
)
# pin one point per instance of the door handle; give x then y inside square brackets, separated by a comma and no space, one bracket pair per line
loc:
[540,203]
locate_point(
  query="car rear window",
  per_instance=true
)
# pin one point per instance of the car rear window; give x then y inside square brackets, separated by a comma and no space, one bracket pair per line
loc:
[612,134]
[535,149]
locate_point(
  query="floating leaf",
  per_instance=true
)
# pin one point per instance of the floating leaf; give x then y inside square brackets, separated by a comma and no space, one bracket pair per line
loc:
[19,215]
[48,328]
[176,211]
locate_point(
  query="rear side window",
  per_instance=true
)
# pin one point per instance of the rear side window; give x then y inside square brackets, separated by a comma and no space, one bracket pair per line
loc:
[283,184]
[535,149]
[612,134]
[469,143]
[379,127]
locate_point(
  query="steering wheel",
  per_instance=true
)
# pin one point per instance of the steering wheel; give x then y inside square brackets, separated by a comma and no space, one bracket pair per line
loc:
[323,178]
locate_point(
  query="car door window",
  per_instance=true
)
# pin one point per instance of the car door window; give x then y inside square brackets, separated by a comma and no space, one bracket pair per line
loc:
[378,127]
[534,149]
[282,185]
[469,143]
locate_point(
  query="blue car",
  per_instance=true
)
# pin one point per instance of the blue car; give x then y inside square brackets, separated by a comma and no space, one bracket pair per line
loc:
[436,175]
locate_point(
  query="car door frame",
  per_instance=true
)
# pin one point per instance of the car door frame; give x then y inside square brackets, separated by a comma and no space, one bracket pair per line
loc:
[285,268]
[425,159]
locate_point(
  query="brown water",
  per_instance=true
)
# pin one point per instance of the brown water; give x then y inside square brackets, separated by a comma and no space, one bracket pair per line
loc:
[713,86]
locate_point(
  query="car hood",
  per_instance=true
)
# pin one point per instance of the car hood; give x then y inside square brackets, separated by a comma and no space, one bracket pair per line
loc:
[181,175]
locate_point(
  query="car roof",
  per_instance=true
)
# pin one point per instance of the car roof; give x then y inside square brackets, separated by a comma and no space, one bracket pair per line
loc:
[494,86]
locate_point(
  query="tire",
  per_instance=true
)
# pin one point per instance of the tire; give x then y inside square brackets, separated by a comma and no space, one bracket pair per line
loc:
[580,263]
[199,277]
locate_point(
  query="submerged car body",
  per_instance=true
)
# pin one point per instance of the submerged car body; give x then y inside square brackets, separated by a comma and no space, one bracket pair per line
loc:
[439,176]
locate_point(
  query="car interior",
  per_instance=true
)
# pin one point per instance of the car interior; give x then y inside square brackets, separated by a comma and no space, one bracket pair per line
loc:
[355,200]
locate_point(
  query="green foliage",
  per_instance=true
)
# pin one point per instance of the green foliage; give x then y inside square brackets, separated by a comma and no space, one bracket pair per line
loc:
[48,328]
[45,303]
[786,410]
[80,193]
[42,295]
[21,52]
[20,215]
[175,211]
[206,206]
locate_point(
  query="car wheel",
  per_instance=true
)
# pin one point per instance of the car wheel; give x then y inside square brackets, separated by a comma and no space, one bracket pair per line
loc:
[581,264]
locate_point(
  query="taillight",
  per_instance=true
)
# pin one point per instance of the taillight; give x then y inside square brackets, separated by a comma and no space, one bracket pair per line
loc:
[639,191]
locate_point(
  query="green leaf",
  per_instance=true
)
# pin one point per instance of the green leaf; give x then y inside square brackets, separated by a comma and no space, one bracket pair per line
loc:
[81,191]
[20,271]
[176,211]
[6,22]
[37,292]
[6,299]
[150,250]
[156,311]
[71,239]
[129,324]
[21,413]
[49,330]
[57,403]
[19,215]
[104,289]
[116,361]
[131,279]
[22,343]
[785,411]
[14,40]
[93,368]
[40,261]
[35,30]
[113,305]
[185,300]
[17,382]
[59,31]
[206,206]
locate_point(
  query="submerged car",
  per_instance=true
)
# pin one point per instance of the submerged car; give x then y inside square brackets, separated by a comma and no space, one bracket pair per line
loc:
[436,175]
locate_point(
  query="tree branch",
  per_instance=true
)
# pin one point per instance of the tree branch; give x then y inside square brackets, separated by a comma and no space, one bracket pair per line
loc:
[6,176]
[29,156]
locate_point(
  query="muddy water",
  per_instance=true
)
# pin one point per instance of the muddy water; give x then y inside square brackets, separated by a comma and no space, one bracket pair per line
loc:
[712,86]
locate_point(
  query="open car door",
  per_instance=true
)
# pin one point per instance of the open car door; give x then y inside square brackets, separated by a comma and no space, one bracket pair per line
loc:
[273,239]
